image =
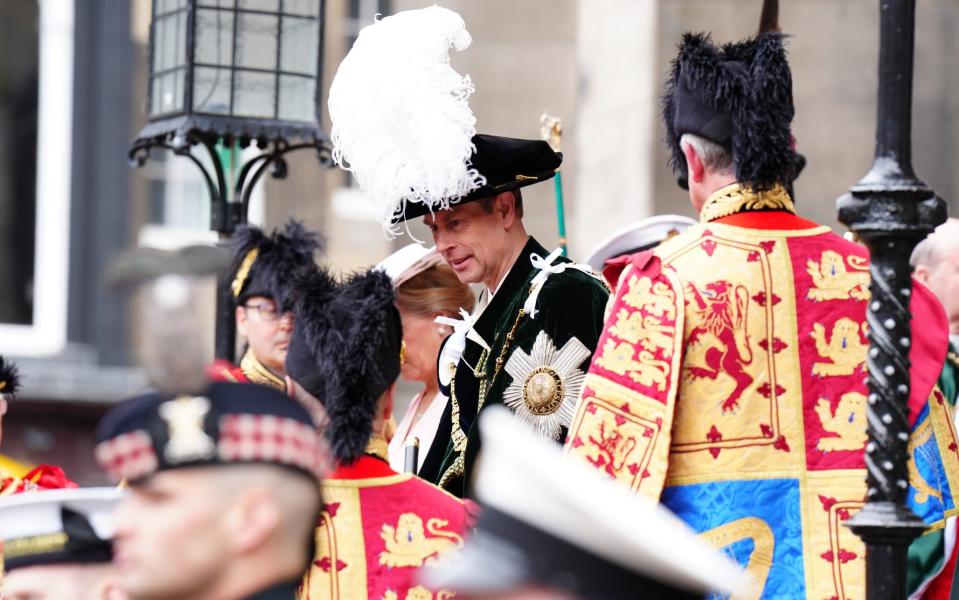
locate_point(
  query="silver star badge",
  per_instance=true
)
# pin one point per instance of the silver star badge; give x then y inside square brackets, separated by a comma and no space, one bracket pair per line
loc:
[546,384]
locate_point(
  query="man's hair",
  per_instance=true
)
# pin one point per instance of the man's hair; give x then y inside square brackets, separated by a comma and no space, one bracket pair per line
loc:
[715,157]
[937,245]
[487,203]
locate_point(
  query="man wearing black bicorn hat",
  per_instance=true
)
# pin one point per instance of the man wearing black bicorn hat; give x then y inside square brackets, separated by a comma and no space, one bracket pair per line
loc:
[260,282]
[224,492]
[57,544]
[378,528]
[729,379]
[528,342]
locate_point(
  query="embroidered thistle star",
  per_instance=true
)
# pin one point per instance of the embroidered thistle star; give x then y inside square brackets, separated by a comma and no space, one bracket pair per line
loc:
[546,384]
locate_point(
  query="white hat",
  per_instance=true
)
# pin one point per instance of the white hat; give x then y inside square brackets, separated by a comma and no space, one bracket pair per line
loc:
[639,236]
[408,262]
[551,520]
[57,526]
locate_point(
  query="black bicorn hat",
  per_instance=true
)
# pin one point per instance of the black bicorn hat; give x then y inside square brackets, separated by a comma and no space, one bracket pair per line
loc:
[262,263]
[505,163]
[739,96]
[346,350]
[229,423]
[63,526]
[9,378]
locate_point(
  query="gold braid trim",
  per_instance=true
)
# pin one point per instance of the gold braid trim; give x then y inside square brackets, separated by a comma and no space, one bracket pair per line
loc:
[257,373]
[458,468]
[737,198]
[378,447]
[39,544]
[244,271]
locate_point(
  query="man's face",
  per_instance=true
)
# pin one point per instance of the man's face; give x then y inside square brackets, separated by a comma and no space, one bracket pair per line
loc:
[170,536]
[473,242]
[266,330]
[57,582]
[942,279]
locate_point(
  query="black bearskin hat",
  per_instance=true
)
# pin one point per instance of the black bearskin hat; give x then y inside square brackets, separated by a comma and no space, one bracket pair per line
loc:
[262,264]
[345,350]
[9,378]
[738,96]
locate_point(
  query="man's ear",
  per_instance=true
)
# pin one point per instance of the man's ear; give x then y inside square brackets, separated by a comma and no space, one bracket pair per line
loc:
[388,402]
[922,274]
[694,164]
[505,205]
[252,518]
[240,314]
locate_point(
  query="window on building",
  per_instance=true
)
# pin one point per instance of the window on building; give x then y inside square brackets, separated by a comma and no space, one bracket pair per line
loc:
[19,54]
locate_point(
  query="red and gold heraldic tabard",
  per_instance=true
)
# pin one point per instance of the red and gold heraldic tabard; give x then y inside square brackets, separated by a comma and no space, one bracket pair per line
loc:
[729,384]
[377,530]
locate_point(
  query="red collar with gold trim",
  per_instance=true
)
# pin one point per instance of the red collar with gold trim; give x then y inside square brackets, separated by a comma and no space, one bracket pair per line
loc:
[365,467]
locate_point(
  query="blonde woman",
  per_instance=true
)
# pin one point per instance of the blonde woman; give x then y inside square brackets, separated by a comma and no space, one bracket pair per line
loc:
[425,289]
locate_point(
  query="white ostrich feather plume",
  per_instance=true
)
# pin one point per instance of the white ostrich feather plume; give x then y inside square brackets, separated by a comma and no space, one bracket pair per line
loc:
[400,113]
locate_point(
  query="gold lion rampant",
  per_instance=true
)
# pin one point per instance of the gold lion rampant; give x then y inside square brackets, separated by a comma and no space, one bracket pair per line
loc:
[849,423]
[761,558]
[833,280]
[844,348]
[408,546]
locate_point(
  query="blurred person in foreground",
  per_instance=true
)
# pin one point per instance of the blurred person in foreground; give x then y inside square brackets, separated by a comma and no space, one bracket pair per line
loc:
[224,492]
[936,262]
[527,344]
[429,297]
[554,529]
[729,379]
[262,265]
[57,545]
[377,527]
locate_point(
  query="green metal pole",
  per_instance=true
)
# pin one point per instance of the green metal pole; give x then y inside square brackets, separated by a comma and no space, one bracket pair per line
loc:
[560,211]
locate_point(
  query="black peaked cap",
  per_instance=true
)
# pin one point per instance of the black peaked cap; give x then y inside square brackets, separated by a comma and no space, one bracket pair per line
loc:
[278,255]
[738,96]
[354,338]
[506,163]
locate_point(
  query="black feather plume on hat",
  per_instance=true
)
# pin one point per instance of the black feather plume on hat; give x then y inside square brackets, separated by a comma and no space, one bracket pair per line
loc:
[9,378]
[278,255]
[738,96]
[354,335]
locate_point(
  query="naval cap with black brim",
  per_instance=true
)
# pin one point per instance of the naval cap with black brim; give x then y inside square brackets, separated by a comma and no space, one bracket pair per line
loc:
[642,235]
[550,520]
[505,163]
[227,424]
[48,527]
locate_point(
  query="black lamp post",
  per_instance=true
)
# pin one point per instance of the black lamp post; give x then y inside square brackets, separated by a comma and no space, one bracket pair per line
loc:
[891,210]
[235,72]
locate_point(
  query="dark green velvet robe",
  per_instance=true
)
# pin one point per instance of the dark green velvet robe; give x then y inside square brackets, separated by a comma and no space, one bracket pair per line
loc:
[570,305]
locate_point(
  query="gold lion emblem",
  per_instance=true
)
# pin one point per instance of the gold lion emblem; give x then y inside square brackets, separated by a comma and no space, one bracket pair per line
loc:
[849,423]
[844,348]
[834,280]
[408,546]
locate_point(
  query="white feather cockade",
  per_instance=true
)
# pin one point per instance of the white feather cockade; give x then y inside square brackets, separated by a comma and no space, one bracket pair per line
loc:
[400,113]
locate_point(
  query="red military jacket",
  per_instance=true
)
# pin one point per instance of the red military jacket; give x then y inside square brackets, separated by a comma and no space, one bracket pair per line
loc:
[377,529]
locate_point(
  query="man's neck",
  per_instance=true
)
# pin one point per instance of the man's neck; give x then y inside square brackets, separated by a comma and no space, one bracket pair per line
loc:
[519,242]
[244,578]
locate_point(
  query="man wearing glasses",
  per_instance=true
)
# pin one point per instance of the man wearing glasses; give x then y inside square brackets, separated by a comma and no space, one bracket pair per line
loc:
[260,282]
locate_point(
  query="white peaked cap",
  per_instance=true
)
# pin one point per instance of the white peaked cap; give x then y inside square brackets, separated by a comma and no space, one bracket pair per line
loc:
[529,479]
[38,515]
[401,121]
[638,236]
[408,262]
